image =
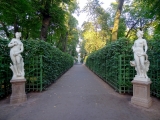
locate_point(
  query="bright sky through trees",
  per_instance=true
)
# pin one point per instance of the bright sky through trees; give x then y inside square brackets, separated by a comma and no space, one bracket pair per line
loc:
[83,16]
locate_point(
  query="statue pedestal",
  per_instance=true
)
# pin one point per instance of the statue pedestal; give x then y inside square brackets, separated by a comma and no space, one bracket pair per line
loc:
[141,93]
[18,91]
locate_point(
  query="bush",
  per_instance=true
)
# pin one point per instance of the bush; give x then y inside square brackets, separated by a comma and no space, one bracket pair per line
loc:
[111,63]
[43,63]
[55,62]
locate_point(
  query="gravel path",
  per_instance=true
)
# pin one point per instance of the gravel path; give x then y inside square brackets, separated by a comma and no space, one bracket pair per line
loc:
[78,95]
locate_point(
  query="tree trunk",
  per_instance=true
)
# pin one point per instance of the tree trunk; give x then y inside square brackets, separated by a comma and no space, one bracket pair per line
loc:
[44,28]
[15,27]
[65,43]
[116,20]
[27,36]
[131,28]
[60,40]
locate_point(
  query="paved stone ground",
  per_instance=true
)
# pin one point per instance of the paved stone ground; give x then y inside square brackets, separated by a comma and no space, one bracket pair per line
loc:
[78,95]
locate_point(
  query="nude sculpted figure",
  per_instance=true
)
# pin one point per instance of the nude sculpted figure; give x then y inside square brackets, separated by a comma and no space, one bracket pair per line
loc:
[15,53]
[140,62]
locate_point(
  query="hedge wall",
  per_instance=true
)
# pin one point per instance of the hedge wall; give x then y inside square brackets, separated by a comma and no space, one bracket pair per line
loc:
[43,65]
[111,63]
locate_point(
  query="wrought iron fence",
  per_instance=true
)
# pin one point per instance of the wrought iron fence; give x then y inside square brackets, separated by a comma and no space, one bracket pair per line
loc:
[118,73]
[39,73]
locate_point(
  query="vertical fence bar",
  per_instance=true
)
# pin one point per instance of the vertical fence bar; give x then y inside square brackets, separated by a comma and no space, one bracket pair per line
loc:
[41,71]
[120,71]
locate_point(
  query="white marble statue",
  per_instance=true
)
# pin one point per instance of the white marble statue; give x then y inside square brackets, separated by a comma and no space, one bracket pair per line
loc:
[15,53]
[79,59]
[140,62]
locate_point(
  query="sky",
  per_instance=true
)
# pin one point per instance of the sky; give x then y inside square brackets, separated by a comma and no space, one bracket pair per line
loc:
[83,16]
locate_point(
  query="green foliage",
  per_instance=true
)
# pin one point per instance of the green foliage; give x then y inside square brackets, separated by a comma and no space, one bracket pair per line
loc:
[96,33]
[106,63]
[5,72]
[19,15]
[151,6]
[82,51]
[154,58]
[122,28]
[92,39]
[53,63]
[137,15]
[111,63]
[38,19]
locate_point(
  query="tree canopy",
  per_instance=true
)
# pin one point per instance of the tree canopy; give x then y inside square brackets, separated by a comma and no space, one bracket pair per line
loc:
[122,19]
[48,20]
[53,22]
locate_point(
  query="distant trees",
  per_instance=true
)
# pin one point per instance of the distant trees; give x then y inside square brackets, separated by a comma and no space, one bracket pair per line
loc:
[93,39]
[95,32]
[121,19]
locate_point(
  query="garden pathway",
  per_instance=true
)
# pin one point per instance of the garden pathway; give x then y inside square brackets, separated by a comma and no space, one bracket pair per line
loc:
[78,95]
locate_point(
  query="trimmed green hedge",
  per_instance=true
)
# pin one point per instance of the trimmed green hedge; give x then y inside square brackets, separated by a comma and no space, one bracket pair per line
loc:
[111,63]
[55,62]
[5,72]
[43,64]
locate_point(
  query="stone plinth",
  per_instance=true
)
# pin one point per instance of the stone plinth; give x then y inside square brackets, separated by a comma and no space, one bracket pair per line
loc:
[18,91]
[141,93]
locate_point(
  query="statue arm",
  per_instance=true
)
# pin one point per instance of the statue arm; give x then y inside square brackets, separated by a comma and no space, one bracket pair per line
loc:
[11,44]
[146,47]
[133,47]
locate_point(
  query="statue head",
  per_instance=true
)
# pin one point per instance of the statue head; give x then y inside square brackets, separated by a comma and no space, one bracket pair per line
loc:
[139,33]
[18,34]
